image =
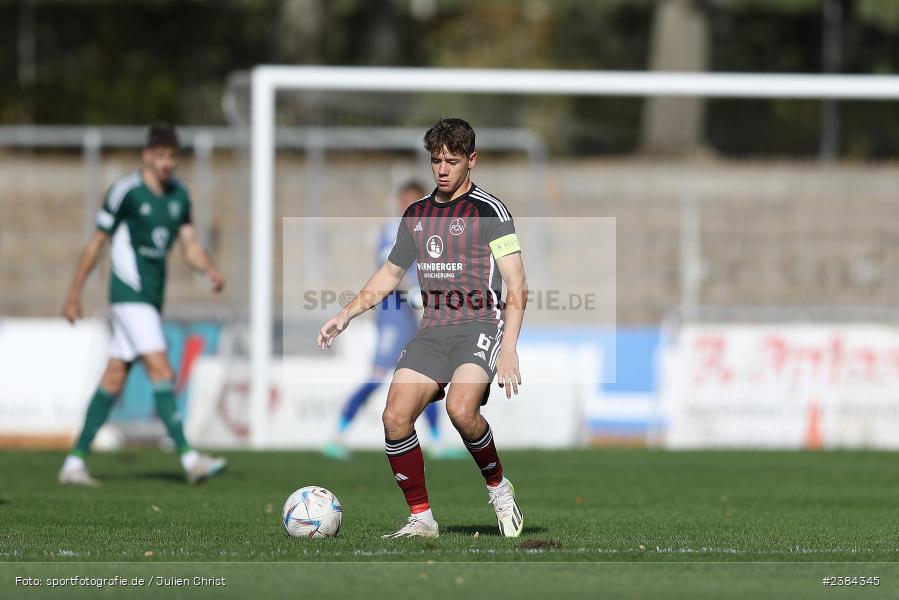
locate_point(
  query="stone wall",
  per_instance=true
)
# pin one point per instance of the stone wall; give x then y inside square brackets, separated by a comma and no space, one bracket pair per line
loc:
[767,234]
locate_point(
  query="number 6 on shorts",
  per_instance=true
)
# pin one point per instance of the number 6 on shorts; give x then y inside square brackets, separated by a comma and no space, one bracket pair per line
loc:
[483,342]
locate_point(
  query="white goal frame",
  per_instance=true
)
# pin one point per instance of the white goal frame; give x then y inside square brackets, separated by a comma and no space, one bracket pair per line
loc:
[267,80]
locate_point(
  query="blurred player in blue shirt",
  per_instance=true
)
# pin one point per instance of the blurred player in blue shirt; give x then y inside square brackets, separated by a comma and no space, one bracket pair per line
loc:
[397,323]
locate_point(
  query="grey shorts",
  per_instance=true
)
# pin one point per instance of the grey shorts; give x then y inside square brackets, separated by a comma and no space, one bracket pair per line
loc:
[437,352]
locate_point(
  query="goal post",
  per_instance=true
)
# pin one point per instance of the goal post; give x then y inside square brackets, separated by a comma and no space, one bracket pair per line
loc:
[268,80]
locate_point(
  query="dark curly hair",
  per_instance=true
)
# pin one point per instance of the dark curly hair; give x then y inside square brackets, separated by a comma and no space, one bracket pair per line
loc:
[162,135]
[456,134]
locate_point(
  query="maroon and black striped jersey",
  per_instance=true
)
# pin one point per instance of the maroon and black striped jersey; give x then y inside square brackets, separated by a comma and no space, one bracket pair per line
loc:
[452,241]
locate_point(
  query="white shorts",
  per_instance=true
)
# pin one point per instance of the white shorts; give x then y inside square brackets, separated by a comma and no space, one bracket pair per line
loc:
[136,330]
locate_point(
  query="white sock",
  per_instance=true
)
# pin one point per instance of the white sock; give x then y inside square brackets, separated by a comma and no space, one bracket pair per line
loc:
[189,459]
[73,462]
[493,488]
[426,516]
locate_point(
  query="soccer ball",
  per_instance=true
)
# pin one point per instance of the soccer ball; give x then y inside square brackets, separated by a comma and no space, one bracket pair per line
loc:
[312,511]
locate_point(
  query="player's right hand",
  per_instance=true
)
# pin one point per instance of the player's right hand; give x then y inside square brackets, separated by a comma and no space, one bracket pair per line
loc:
[216,279]
[331,330]
[72,310]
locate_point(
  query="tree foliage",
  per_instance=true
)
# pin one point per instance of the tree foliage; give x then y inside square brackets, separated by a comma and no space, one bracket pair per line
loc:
[126,61]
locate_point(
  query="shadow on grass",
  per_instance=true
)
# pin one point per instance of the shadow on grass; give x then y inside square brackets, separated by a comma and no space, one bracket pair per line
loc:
[175,476]
[488,530]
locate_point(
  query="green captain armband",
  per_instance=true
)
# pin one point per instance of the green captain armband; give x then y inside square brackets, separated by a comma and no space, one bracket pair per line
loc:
[505,245]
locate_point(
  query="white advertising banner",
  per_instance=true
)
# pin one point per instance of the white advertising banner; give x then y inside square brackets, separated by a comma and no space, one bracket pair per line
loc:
[50,369]
[782,386]
[308,393]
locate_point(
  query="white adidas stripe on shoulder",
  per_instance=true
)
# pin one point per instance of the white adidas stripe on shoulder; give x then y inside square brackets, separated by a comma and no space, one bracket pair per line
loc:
[120,189]
[491,199]
[488,196]
[498,207]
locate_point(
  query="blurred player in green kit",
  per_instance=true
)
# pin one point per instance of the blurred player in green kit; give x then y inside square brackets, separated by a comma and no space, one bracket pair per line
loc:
[141,217]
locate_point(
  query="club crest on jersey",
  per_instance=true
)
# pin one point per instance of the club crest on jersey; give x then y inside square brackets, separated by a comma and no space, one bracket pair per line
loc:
[145,209]
[160,237]
[457,226]
[417,227]
[174,209]
[434,246]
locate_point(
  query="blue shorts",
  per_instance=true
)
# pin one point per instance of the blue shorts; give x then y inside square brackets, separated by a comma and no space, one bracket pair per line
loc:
[395,328]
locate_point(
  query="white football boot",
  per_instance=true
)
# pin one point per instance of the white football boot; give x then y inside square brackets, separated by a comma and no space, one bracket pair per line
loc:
[205,467]
[508,515]
[76,476]
[415,527]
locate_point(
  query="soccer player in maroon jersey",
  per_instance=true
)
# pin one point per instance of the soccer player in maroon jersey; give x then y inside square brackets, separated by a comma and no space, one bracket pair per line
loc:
[465,243]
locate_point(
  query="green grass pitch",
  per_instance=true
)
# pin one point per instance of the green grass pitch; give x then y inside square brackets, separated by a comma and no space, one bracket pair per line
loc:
[710,519]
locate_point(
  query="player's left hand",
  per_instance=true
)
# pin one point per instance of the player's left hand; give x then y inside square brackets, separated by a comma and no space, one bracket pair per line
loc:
[216,278]
[507,374]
